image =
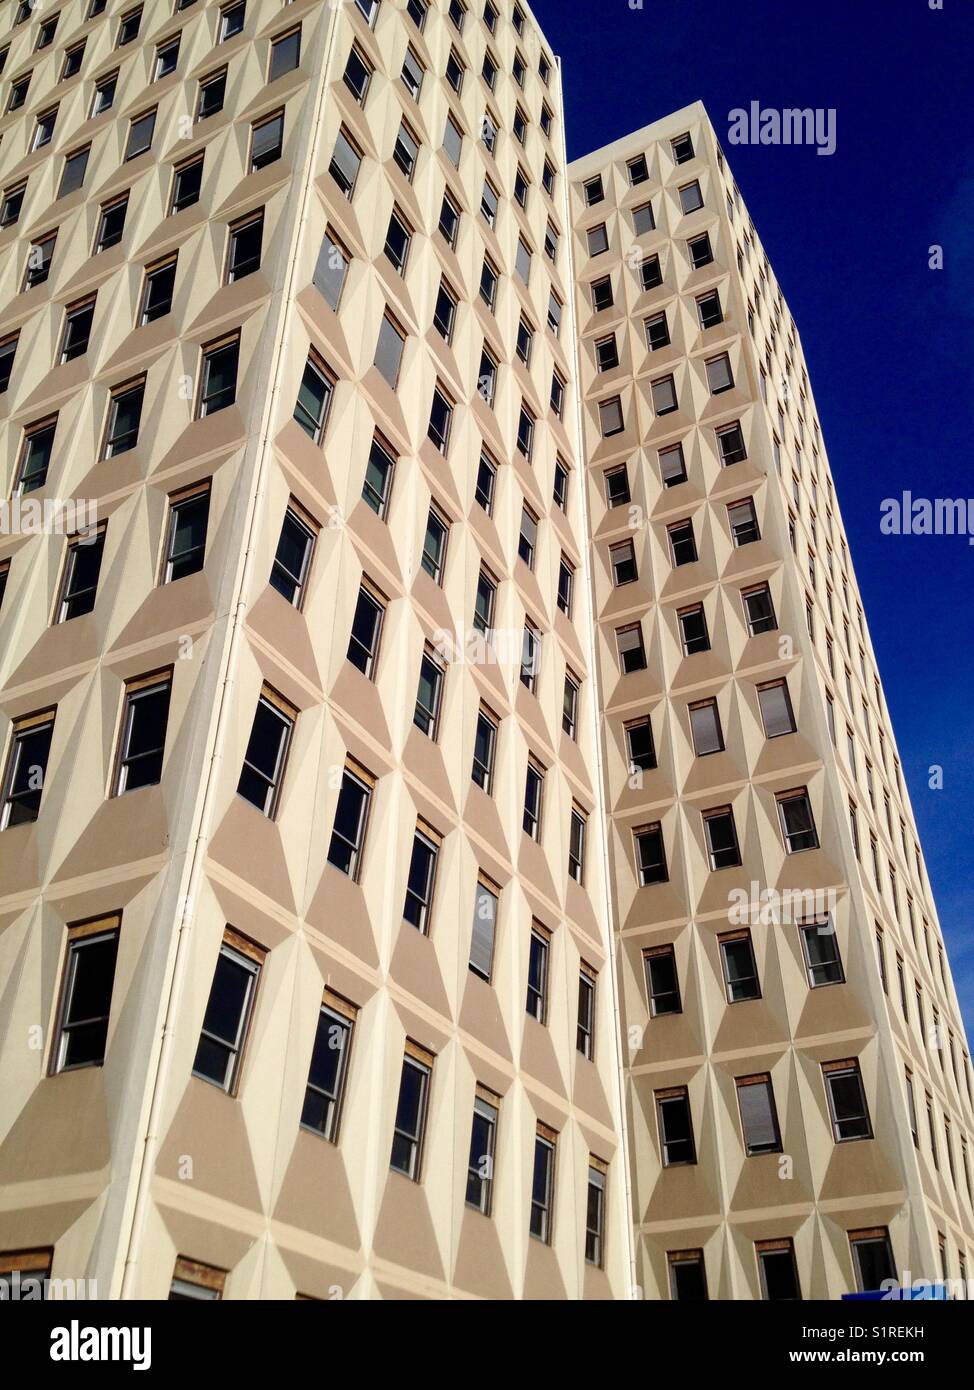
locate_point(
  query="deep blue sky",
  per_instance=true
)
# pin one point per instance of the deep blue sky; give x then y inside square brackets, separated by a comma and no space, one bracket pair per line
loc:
[889,342]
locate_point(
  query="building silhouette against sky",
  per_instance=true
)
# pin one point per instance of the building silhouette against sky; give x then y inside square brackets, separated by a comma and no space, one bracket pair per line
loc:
[461,640]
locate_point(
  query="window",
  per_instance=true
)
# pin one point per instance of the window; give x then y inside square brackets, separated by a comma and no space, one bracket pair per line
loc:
[419,883]
[682,147]
[243,253]
[606,353]
[546,119]
[688,1276]
[487,376]
[128,29]
[449,220]
[566,586]
[441,420]
[528,536]
[13,201]
[44,129]
[610,417]
[345,163]
[426,716]
[525,432]
[657,332]
[533,798]
[167,58]
[455,71]
[820,950]
[548,178]
[351,818]
[759,610]
[157,290]
[622,558]
[484,748]
[23,782]
[650,855]
[267,143]
[719,375]
[398,238]
[551,240]
[699,251]
[643,221]
[325,1088]
[23,1275]
[632,653]
[518,68]
[595,1212]
[452,141]
[104,93]
[458,14]
[73,173]
[363,642]
[489,202]
[705,730]
[639,746]
[409,1133]
[721,834]
[650,273]
[585,1029]
[709,311]
[739,967]
[434,545]
[388,355]
[557,398]
[189,512]
[759,1116]
[369,9]
[664,395]
[35,456]
[141,129]
[86,995]
[691,199]
[592,191]
[314,398]
[576,845]
[522,260]
[229,1011]
[412,74]
[488,131]
[292,560]
[39,261]
[779,1273]
[776,711]
[483,1140]
[598,240]
[8,351]
[490,16]
[662,982]
[847,1101]
[285,54]
[743,522]
[637,170]
[683,547]
[79,582]
[524,341]
[542,1184]
[559,489]
[872,1258]
[797,824]
[187,180]
[617,492]
[673,469]
[489,70]
[265,760]
[530,656]
[232,20]
[602,294]
[484,928]
[675,1127]
[77,329]
[145,715]
[483,616]
[357,74]
[18,92]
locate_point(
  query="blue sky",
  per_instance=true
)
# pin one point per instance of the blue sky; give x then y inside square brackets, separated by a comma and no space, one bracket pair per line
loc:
[890,346]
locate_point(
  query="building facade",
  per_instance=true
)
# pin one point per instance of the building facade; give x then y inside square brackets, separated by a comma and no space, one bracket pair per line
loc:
[366,932]
[798,1084]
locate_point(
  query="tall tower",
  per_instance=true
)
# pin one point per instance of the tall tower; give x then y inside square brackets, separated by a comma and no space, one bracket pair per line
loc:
[304,950]
[798,1084]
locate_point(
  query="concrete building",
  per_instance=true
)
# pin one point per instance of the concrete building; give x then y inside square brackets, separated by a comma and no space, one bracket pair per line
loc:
[323,952]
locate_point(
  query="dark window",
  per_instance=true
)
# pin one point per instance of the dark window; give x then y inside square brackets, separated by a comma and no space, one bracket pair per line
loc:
[632,653]
[675,1127]
[13,201]
[820,949]
[682,147]
[35,456]
[363,644]
[485,743]
[314,398]
[639,746]
[683,547]
[348,832]
[157,291]
[537,996]
[722,847]
[143,738]
[86,1002]
[80,582]
[266,141]
[167,57]
[650,855]
[595,1215]
[285,54]
[211,95]
[739,967]
[73,173]
[650,273]
[847,1101]
[186,184]
[542,1189]
[434,545]
[662,981]
[688,1276]
[426,715]
[419,883]
[480,1165]
[141,129]
[112,223]
[186,537]
[759,610]
[407,1139]
[39,261]
[243,256]
[779,1273]
[8,351]
[232,20]
[700,252]
[797,823]
[872,1257]
[585,1026]
[266,757]
[128,29]
[219,381]
[325,1090]
[226,1021]
[77,330]
[23,782]
[292,561]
